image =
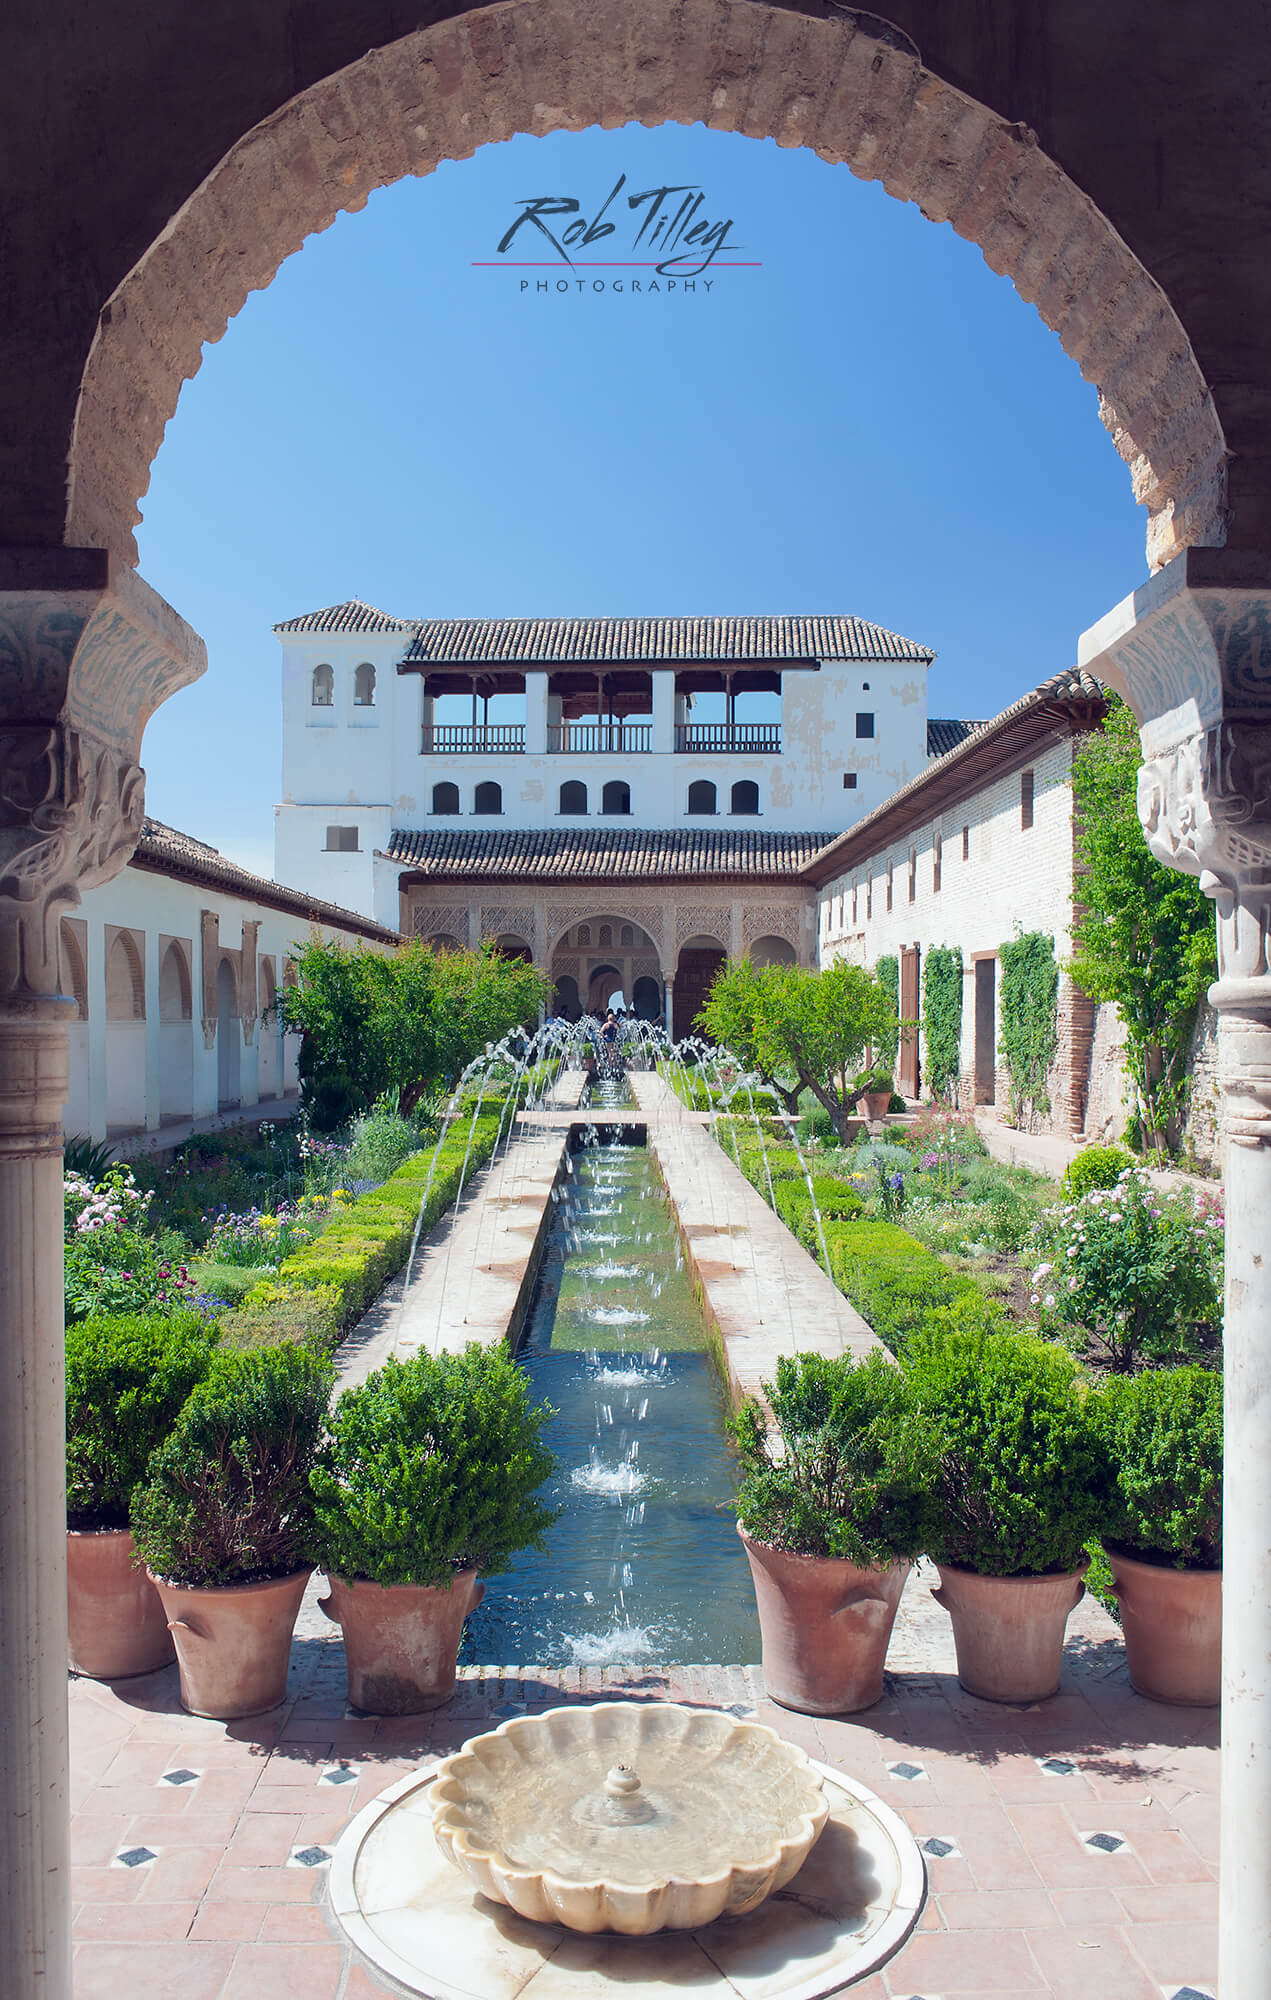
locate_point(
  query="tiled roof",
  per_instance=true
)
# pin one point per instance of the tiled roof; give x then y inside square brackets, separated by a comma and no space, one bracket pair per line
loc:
[166,851]
[1063,705]
[945,733]
[621,854]
[612,641]
[353,616]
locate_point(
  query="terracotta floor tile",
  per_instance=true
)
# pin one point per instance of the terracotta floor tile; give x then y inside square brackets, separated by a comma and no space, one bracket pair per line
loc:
[364,1985]
[282,1971]
[997,1909]
[96,1836]
[1093,1960]
[1076,1907]
[181,1872]
[297,1923]
[123,1922]
[153,1971]
[1172,1903]
[229,1923]
[1169,1856]
[192,1829]
[967,1962]
[263,1840]
[263,1885]
[106,1885]
[1020,1781]
[1186,1952]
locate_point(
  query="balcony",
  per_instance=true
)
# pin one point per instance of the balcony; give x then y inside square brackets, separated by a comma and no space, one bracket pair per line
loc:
[600,738]
[456,739]
[764,737]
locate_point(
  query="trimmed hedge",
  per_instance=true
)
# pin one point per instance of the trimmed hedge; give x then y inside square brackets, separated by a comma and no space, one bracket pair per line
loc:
[322,1288]
[896,1284]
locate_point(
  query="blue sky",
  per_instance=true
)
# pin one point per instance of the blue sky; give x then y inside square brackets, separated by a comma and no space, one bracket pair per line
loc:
[869,421]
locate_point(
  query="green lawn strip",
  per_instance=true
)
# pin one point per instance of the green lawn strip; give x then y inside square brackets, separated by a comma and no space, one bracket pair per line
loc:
[896,1284]
[319,1290]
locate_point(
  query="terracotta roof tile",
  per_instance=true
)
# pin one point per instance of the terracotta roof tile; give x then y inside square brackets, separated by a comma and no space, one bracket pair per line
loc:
[352,616]
[600,641]
[944,733]
[166,851]
[621,854]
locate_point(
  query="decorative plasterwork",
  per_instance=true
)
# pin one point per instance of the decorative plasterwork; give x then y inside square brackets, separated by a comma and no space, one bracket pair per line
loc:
[783,920]
[440,919]
[511,919]
[562,917]
[701,920]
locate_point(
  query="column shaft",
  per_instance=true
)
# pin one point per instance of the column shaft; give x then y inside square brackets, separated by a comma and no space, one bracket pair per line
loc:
[35,1946]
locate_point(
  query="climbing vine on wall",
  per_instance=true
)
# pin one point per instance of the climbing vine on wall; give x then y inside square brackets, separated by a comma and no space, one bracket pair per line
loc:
[887,972]
[1028,1004]
[942,1017]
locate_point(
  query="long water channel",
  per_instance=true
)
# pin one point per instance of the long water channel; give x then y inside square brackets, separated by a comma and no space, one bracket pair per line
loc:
[645,1565]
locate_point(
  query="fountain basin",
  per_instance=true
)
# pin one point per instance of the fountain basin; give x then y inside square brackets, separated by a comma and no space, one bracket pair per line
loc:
[627,1816]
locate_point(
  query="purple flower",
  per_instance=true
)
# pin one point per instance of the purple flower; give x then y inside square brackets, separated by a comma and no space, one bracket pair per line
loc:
[898,1180]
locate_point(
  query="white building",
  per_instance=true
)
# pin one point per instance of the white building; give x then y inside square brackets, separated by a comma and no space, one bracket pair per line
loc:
[395,726]
[174,966]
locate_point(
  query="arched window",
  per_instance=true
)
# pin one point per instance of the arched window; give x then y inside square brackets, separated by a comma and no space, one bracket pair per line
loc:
[125,980]
[605,940]
[74,971]
[628,935]
[616,797]
[701,796]
[364,685]
[445,798]
[573,796]
[488,798]
[584,934]
[745,796]
[174,985]
[323,690]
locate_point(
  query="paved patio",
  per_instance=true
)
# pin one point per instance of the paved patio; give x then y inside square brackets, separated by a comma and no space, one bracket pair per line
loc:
[1071,1847]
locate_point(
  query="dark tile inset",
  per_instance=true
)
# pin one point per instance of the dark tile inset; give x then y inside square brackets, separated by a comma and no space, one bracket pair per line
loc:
[182,1777]
[310,1857]
[339,1774]
[1187,1993]
[136,1857]
[938,1848]
[907,1770]
[1106,1843]
[1056,1767]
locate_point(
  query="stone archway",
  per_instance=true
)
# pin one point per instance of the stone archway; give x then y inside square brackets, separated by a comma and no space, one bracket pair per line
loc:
[850,87]
[700,959]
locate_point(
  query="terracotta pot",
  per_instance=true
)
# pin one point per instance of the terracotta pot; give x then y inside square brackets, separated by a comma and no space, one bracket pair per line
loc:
[876,1103]
[1008,1631]
[233,1642]
[825,1626]
[116,1625]
[401,1641]
[1172,1622]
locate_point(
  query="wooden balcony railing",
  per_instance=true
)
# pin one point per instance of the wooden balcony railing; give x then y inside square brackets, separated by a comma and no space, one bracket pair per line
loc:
[761,736]
[593,737]
[461,738]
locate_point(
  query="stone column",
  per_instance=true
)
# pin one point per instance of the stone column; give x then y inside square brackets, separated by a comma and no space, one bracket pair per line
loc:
[535,715]
[87,656]
[1191,654]
[663,735]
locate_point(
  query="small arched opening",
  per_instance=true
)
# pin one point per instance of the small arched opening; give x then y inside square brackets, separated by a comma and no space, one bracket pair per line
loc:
[699,961]
[701,796]
[488,798]
[745,796]
[322,687]
[176,1032]
[445,797]
[269,1072]
[364,685]
[615,800]
[229,1039]
[772,951]
[605,981]
[565,1002]
[125,1032]
[646,998]
[509,946]
[573,797]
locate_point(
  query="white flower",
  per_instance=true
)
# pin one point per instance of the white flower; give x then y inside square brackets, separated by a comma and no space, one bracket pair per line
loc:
[1049,1302]
[1034,1299]
[1072,1284]
[1042,1271]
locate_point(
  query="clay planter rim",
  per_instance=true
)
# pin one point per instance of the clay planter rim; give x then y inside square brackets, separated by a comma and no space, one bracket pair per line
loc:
[1159,1559]
[228,1589]
[369,1583]
[1020,1576]
[796,1555]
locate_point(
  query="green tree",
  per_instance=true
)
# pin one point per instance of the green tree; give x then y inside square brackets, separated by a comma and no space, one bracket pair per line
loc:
[735,1014]
[405,1021]
[815,1026]
[1145,936]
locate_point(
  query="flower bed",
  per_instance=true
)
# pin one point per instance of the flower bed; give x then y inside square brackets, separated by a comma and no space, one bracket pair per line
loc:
[322,1287]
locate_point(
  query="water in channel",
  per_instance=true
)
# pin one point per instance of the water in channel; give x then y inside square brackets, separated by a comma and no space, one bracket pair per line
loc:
[645,1566]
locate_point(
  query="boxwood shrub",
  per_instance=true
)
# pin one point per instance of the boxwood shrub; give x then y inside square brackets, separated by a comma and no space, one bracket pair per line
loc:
[1161,1435]
[322,1288]
[432,1467]
[127,1376]
[1022,1482]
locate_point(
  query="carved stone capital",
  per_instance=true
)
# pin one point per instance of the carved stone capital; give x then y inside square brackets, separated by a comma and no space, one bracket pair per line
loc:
[87,653]
[1191,655]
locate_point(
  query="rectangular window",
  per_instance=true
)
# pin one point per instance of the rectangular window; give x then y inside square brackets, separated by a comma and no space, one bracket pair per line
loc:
[342,840]
[937,863]
[913,873]
[864,723]
[1025,800]
[849,781]
[966,843]
[869,897]
[853,905]
[890,872]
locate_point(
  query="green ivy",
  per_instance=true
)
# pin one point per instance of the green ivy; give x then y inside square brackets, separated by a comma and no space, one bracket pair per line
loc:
[887,973]
[1028,1032]
[942,1017]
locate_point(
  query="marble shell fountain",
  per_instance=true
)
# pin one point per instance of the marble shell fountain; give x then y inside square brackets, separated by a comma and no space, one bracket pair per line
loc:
[628,1817]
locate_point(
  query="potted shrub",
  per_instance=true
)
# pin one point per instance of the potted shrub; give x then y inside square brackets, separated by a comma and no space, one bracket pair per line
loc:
[1020,1487]
[223,1522]
[831,1513]
[874,1091]
[429,1478]
[1162,1436]
[127,1376]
